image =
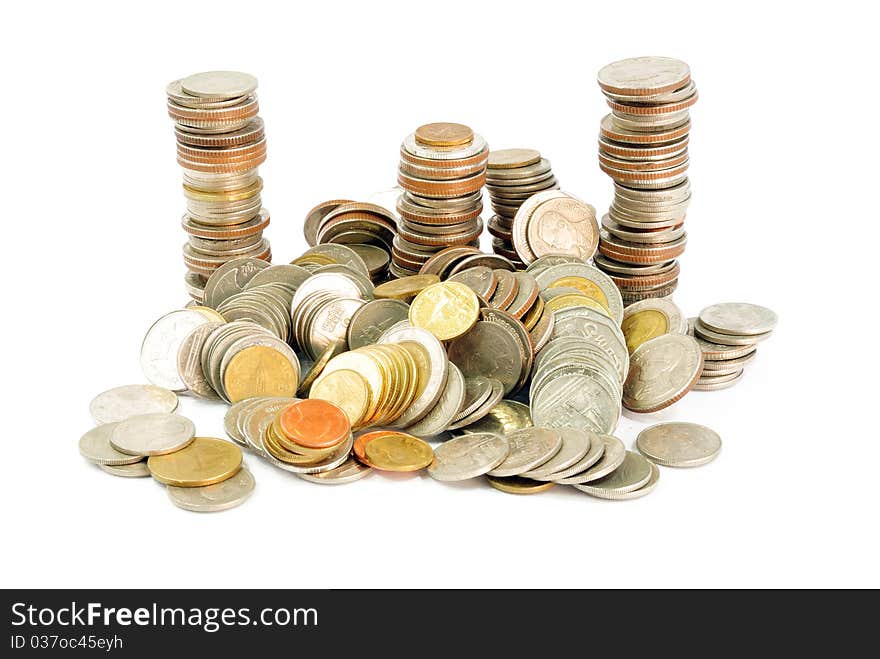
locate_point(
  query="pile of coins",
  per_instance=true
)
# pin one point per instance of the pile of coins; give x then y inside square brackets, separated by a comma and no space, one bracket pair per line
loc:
[442,171]
[514,175]
[138,435]
[220,144]
[555,223]
[643,148]
[728,335]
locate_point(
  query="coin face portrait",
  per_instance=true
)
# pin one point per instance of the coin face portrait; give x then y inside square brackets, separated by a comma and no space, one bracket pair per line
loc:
[557,233]
[655,372]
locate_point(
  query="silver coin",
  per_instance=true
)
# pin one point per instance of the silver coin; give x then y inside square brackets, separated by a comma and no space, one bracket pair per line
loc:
[219,84]
[95,447]
[712,365]
[634,472]
[644,490]
[599,330]
[468,456]
[529,448]
[258,418]
[120,403]
[348,472]
[231,278]
[477,390]
[597,450]
[496,393]
[291,276]
[705,333]
[548,260]
[133,470]
[213,498]
[679,444]
[232,419]
[152,434]
[161,346]
[738,318]
[704,385]
[575,445]
[441,415]
[662,370]
[330,462]
[613,454]
[644,75]
[576,398]
[341,254]
[372,319]
[189,361]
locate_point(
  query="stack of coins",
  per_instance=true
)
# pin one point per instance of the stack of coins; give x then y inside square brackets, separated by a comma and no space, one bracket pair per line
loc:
[643,148]
[309,433]
[728,335]
[220,145]
[513,176]
[138,435]
[554,222]
[442,172]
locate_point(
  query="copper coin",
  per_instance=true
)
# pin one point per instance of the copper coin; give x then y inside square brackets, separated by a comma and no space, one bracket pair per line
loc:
[444,134]
[314,423]
[360,444]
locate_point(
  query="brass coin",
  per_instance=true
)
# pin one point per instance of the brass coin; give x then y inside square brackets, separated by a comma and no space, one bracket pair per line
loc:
[398,452]
[205,461]
[643,326]
[317,368]
[511,158]
[348,391]
[585,286]
[444,134]
[518,485]
[259,371]
[447,310]
[404,289]
[507,416]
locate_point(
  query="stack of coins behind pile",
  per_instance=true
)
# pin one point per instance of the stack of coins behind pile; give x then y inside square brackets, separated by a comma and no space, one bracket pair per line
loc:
[513,176]
[442,172]
[220,144]
[643,148]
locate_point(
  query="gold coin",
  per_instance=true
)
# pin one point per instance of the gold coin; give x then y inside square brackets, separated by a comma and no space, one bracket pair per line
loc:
[313,259]
[397,451]
[643,326]
[205,461]
[404,289]
[448,310]
[209,313]
[348,390]
[293,452]
[317,368]
[518,485]
[259,371]
[585,286]
[574,300]
[533,315]
[366,366]
[444,134]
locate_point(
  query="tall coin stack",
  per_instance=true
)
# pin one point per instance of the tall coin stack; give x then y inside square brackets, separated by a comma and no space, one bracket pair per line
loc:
[643,148]
[442,172]
[513,176]
[220,144]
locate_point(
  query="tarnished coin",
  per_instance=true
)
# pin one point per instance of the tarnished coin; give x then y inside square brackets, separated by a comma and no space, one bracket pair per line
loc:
[518,485]
[445,410]
[468,456]
[120,403]
[738,318]
[231,278]
[644,490]
[634,472]
[505,417]
[575,445]
[612,456]
[661,372]
[644,76]
[224,495]
[348,472]
[152,434]
[161,346]
[95,447]
[706,334]
[562,225]
[679,444]
[529,448]
[372,319]
[448,310]
[649,319]
[496,393]
[396,451]
[134,470]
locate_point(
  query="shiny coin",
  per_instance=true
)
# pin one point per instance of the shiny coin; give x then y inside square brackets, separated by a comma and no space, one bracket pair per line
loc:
[679,444]
[496,393]
[529,448]
[95,447]
[517,485]
[231,278]
[444,134]
[738,318]
[468,456]
[612,453]
[315,423]
[644,490]
[161,346]
[649,319]
[202,462]
[512,158]
[661,372]
[575,445]
[189,362]
[491,350]
[123,402]
[152,434]
[705,333]
[447,310]
[642,76]
[134,470]
[714,384]
[219,84]
[348,391]
[398,452]
[372,319]
[261,370]
[505,417]
[634,472]
[224,495]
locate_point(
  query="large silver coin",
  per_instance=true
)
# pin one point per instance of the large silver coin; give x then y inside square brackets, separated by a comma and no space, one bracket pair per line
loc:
[219,85]
[348,472]
[640,76]
[95,447]
[152,434]
[634,472]
[189,361]
[703,332]
[133,470]
[597,450]
[442,414]
[612,457]
[231,278]
[529,448]
[738,318]
[679,444]
[161,346]
[661,372]
[576,398]
[575,445]
[119,403]
[468,456]
[213,498]
[372,319]
[644,490]
[598,329]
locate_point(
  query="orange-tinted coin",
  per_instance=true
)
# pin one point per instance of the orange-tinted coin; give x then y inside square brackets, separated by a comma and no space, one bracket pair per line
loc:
[314,423]
[360,444]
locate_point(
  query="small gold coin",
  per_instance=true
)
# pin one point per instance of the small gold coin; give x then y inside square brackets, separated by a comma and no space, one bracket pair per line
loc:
[259,371]
[585,286]
[205,461]
[448,310]
[575,300]
[404,289]
[346,389]
[518,485]
[643,326]
[398,452]
[444,134]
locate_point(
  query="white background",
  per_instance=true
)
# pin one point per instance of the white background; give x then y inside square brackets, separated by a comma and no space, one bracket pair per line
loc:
[785,209]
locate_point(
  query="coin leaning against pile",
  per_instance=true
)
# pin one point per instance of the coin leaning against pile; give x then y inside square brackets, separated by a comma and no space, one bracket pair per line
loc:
[643,147]
[220,144]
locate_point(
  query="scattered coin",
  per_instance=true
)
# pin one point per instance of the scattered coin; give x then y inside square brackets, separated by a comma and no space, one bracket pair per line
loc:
[120,403]
[224,495]
[529,448]
[152,434]
[348,472]
[634,472]
[662,371]
[519,485]
[679,444]
[738,318]
[204,461]
[396,451]
[575,445]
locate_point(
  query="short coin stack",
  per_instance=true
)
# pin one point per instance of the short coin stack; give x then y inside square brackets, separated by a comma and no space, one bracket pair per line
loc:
[220,144]
[513,176]
[442,172]
[729,334]
[643,148]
